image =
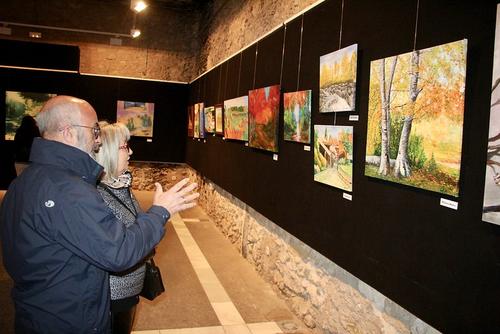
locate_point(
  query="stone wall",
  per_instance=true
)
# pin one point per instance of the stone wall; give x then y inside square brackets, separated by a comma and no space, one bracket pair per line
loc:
[233,24]
[326,297]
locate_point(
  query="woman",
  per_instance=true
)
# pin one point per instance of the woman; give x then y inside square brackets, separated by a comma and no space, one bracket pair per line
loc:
[114,187]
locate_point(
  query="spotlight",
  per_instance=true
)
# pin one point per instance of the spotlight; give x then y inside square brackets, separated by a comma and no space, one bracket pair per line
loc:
[138,5]
[35,34]
[135,33]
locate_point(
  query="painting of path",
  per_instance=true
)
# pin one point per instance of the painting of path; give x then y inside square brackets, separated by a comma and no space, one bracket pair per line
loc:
[263,119]
[219,121]
[209,119]
[333,155]
[236,118]
[491,200]
[137,116]
[297,116]
[415,118]
[20,104]
[337,80]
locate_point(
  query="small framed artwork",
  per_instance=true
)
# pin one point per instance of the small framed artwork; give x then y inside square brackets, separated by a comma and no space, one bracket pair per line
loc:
[209,114]
[137,116]
[337,80]
[263,118]
[190,121]
[236,118]
[20,104]
[297,116]
[219,119]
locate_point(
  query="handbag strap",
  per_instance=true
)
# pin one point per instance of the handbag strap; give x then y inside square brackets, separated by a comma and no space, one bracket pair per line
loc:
[134,213]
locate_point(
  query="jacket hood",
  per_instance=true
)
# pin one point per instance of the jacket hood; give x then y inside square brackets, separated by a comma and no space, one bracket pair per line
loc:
[55,153]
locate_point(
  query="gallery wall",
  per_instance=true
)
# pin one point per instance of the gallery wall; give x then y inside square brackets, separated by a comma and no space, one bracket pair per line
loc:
[167,143]
[439,263]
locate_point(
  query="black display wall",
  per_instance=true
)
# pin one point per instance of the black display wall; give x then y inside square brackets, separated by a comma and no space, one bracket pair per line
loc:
[440,264]
[169,130]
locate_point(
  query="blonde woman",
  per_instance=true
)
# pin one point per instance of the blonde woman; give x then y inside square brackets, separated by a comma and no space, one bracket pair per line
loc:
[114,188]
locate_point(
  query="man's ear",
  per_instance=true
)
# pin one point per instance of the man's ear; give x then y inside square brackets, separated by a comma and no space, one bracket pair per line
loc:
[69,135]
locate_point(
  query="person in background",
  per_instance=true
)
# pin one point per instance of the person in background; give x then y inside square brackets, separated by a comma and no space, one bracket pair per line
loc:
[59,239]
[26,132]
[114,188]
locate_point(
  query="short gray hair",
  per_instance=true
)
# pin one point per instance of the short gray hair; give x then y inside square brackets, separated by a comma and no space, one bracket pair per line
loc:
[53,116]
[112,136]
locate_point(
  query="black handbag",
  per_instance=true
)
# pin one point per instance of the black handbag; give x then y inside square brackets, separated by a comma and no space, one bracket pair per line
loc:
[153,283]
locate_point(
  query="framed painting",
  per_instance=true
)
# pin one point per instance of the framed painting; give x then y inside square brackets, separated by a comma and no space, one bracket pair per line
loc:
[333,157]
[137,116]
[191,121]
[263,118]
[337,80]
[297,116]
[236,118]
[201,120]
[219,119]
[209,114]
[415,118]
[491,199]
[20,104]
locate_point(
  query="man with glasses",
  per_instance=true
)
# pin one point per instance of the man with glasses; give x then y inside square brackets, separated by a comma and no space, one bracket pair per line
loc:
[59,239]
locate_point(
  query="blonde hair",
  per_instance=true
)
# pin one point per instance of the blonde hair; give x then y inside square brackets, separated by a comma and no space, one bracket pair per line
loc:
[112,136]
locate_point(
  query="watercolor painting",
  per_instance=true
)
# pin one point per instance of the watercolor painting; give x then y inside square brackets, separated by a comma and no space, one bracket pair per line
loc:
[415,118]
[297,116]
[333,155]
[137,116]
[219,120]
[236,118]
[191,121]
[263,118]
[209,114]
[337,80]
[20,104]
[491,200]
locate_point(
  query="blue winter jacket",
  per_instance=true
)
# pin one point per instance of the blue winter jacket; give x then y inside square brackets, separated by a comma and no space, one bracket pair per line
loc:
[60,241]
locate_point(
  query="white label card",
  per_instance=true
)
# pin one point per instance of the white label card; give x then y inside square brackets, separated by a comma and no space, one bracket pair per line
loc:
[354,118]
[246,144]
[307,148]
[347,196]
[449,203]
[149,140]
[204,140]
[275,157]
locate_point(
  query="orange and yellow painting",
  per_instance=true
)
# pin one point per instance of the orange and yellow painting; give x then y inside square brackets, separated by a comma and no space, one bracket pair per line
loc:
[236,118]
[415,117]
[263,119]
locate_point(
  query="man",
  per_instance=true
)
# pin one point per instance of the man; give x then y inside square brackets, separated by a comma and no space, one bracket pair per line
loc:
[59,239]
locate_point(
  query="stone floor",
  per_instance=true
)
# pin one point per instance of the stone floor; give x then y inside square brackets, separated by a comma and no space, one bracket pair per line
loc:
[210,288]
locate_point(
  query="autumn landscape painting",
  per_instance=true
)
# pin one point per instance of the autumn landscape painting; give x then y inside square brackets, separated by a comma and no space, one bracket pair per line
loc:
[297,116]
[333,155]
[236,118]
[137,116]
[337,80]
[263,118]
[415,117]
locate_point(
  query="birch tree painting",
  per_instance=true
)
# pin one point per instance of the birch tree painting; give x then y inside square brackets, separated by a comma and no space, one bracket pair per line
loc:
[491,201]
[415,118]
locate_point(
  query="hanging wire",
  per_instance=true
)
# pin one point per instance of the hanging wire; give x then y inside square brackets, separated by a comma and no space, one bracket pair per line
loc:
[239,74]
[416,27]
[225,81]
[255,64]
[300,51]
[220,81]
[283,55]
[341,24]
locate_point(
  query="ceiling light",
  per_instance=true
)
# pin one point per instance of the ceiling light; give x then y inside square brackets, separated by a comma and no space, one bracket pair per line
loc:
[138,5]
[135,33]
[35,34]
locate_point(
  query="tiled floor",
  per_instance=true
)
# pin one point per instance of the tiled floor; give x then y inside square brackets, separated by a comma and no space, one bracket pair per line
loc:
[210,288]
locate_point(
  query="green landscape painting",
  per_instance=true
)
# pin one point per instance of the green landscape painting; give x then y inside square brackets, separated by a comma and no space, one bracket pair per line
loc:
[236,118]
[297,116]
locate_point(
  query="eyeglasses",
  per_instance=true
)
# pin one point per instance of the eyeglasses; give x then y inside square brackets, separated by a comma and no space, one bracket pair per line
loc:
[125,146]
[95,129]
